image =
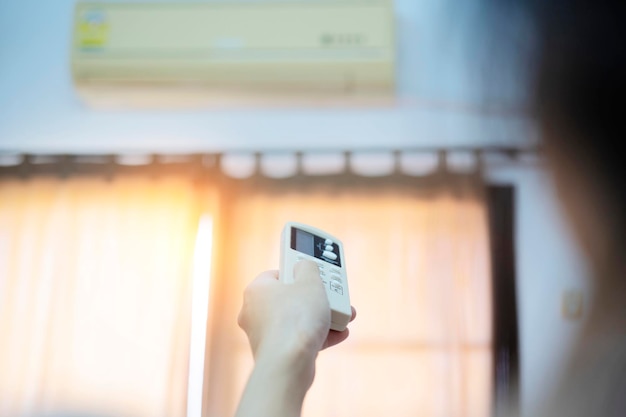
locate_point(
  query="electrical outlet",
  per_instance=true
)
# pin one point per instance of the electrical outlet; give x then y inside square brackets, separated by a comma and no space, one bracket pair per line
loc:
[572,304]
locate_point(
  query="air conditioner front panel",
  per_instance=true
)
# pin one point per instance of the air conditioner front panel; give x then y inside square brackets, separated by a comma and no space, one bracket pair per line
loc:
[171,28]
[334,46]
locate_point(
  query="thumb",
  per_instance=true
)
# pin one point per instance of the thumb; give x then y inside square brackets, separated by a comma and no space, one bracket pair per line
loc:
[306,271]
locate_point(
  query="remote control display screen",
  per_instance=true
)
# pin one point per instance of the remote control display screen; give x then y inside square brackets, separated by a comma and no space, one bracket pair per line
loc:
[314,246]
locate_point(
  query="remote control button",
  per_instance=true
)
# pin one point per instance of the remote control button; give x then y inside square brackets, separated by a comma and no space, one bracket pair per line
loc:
[329,255]
[336,278]
[330,248]
[328,242]
[335,270]
[336,287]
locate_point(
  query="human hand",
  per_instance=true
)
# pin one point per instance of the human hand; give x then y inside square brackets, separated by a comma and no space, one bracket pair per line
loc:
[287,325]
[290,318]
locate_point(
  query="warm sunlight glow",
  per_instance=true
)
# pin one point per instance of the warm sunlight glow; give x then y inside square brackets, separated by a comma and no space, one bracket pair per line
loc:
[199,312]
[95,295]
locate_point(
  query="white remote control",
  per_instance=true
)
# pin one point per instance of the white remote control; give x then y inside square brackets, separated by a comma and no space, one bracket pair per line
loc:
[301,242]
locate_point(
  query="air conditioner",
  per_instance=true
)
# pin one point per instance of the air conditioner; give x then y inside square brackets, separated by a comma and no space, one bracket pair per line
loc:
[231,52]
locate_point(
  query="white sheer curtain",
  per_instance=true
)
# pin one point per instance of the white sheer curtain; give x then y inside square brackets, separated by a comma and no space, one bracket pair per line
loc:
[95,295]
[418,267]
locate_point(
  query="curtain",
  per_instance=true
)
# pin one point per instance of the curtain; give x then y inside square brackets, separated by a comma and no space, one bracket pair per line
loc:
[95,289]
[418,269]
[96,292]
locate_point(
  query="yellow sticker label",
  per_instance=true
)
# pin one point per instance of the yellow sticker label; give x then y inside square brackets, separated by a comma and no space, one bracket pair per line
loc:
[92,29]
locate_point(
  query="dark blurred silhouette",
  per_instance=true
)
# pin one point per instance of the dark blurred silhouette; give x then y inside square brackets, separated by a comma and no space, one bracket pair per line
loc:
[578,97]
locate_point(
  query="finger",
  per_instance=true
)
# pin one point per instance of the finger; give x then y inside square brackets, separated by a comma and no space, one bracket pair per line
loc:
[267,276]
[263,279]
[334,338]
[306,271]
[241,319]
[273,273]
[353,313]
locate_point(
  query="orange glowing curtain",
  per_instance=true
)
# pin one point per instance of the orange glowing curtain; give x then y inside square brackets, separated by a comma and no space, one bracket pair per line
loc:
[95,294]
[418,267]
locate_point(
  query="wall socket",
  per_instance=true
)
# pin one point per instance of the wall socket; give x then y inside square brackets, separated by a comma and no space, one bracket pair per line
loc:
[572,304]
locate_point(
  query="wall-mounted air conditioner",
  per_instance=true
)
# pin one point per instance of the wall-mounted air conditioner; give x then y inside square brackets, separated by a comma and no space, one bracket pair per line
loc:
[230,52]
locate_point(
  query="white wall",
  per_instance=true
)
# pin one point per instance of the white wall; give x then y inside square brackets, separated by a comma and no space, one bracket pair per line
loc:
[548,263]
[40,112]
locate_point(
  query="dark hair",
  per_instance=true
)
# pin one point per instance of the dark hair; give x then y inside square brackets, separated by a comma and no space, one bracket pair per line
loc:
[578,78]
[581,83]
[578,92]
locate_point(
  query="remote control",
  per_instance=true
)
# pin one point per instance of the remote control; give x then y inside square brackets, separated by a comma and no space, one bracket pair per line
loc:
[302,242]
